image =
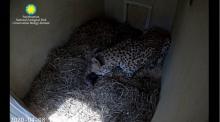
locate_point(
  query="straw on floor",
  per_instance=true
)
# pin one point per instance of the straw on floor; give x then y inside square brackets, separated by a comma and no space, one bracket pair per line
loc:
[59,92]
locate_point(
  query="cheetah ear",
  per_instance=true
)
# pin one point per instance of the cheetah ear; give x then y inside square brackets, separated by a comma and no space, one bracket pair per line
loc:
[100,59]
[96,50]
[95,61]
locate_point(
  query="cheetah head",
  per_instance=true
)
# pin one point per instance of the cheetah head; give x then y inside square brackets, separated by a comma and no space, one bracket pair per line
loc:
[96,65]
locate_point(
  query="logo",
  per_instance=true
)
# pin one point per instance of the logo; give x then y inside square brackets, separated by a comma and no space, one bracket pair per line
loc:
[30,17]
[30,9]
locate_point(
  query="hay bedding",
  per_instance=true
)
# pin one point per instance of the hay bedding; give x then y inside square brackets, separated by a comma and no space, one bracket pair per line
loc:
[59,92]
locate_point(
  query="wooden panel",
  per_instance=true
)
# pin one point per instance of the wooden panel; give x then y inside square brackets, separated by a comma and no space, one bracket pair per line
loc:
[137,16]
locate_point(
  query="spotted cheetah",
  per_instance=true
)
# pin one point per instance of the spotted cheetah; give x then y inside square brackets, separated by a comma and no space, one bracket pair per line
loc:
[131,54]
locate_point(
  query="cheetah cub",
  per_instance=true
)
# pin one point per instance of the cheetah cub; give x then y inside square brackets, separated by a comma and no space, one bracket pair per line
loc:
[131,55]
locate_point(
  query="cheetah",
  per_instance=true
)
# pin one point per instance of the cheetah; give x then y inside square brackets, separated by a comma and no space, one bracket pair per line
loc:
[132,54]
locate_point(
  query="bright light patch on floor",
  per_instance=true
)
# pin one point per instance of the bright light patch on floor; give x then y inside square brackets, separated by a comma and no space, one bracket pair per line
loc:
[75,111]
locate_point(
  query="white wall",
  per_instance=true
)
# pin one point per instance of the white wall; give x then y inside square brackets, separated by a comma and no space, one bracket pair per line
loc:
[184,95]
[29,44]
[162,15]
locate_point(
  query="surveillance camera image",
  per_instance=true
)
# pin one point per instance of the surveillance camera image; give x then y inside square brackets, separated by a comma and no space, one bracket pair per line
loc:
[109,60]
